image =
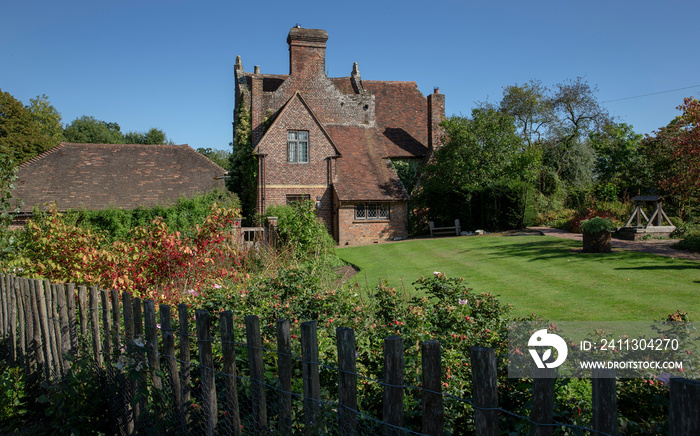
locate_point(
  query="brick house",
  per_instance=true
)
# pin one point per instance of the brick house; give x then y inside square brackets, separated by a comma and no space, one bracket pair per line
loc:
[125,176]
[332,140]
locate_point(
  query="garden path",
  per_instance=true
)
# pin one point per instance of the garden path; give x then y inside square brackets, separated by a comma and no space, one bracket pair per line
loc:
[661,247]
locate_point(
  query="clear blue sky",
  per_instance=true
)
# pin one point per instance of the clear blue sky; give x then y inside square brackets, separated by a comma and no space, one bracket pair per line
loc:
[169,64]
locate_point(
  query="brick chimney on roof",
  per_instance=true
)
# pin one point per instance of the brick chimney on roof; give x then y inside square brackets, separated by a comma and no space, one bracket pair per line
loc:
[307,51]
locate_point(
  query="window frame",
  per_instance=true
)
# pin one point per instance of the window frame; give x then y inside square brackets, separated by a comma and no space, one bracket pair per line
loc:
[380,211]
[298,147]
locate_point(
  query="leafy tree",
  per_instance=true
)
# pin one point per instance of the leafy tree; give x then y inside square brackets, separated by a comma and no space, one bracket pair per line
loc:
[8,174]
[555,124]
[219,157]
[153,137]
[683,136]
[26,131]
[619,161]
[89,130]
[243,168]
[477,151]
[47,118]
[531,108]
[481,172]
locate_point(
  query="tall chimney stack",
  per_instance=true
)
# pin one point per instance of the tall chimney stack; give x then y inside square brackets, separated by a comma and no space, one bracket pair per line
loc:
[307,51]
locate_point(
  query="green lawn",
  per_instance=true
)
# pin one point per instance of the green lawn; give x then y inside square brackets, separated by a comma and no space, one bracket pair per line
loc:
[544,275]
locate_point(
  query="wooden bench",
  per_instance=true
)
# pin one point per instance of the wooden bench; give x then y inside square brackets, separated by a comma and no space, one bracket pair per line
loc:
[443,231]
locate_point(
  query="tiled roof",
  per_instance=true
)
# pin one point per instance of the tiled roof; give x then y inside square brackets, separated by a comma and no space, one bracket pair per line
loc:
[362,173]
[97,176]
[401,115]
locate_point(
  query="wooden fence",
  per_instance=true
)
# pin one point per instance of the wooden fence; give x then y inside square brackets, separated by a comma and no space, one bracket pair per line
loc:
[44,326]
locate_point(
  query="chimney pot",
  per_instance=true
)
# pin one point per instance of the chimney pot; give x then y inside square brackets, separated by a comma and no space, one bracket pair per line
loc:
[256,69]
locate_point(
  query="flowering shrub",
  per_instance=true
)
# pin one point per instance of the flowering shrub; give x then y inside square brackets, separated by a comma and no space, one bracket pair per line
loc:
[154,262]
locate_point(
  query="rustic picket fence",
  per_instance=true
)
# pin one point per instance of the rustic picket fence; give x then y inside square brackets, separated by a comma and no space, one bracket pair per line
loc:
[44,328]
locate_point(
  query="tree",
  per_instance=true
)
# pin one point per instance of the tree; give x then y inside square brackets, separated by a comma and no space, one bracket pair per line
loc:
[26,131]
[89,130]
[153,136]
[683,136]
[531,108]
[476,151]
[219,157]
[556,123]
[243,168]
[8,207]
[480,174]
[47,118]
[619,161]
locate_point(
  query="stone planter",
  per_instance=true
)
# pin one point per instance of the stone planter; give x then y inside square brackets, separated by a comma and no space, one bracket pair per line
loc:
[597,242]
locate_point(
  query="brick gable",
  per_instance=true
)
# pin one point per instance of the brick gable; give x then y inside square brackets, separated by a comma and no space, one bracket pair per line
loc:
[365,124]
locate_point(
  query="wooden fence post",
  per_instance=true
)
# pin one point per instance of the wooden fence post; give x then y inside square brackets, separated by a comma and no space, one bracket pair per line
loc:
[95,327]
[207,371]
[485,382]
[14,316]
[106,324]
[21,320]
[42,328]
[257,373]
[72,324]
[138,317]
[311,377]
[64,324]
[29,312]
[604,401]
[83,309]
[684,407]
[229,351]
[132,385]
[4,306]
[347,381]
[116,320]
[184,353]
[542,402]
[433,409]
[149,312]
[284,371]
[128,310]
[166,332]
[392,404]
[54,328]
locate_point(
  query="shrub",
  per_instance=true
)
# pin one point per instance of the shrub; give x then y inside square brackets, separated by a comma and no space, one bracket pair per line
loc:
[13,397]
[299,228]
[689,243]
[598,224]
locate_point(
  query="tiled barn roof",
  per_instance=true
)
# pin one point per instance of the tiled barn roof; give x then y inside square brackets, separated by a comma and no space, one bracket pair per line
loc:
[98,176]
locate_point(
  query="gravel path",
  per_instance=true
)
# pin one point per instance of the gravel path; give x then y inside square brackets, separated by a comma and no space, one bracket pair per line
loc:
[661,247]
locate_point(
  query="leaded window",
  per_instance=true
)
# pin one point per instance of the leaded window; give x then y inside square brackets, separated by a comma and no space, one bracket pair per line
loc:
[298,146]
[372,211]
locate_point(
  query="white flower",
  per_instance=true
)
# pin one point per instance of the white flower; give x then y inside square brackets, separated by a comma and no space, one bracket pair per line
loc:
[462,301]
[139,342]
[436,273]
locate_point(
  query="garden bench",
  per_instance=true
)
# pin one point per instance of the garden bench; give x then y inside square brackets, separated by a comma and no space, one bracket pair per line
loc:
[440,231]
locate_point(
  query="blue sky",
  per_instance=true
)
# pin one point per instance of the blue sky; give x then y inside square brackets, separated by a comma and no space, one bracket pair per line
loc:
[169,64]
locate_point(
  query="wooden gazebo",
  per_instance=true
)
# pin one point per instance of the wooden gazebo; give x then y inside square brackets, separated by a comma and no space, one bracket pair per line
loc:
[640,225]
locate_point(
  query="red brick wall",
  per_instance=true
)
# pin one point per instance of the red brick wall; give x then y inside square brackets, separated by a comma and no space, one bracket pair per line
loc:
[357,232]
[282,178]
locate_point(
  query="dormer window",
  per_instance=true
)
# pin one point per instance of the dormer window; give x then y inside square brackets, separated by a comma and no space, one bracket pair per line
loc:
[298,146]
